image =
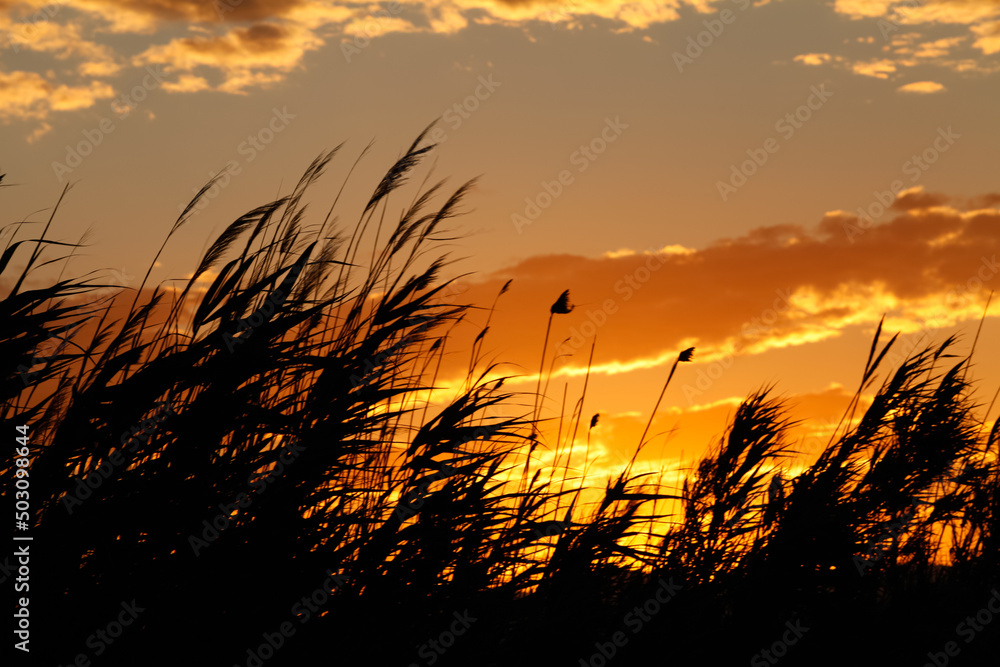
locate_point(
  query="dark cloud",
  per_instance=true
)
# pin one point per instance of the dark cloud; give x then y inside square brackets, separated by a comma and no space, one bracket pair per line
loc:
[209,10]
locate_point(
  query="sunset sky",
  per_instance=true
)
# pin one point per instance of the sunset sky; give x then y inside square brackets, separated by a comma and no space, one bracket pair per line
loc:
[691,171]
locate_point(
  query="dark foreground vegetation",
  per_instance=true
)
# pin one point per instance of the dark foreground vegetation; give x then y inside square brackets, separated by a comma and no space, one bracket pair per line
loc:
[204,464]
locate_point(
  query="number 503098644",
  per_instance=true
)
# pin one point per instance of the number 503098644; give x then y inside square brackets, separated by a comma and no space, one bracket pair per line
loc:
[22,475]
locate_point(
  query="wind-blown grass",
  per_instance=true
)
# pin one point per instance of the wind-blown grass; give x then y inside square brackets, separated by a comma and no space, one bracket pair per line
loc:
[309,337]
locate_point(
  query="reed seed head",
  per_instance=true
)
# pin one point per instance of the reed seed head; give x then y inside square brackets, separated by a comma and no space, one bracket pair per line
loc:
[562,306]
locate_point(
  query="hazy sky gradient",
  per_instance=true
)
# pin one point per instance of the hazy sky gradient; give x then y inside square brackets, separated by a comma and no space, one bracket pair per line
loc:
[521,89]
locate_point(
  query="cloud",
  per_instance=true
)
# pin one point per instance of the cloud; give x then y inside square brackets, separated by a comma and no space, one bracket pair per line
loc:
[39,132]
[147,16]
[233,46]
[904,28]
[880,69]
[909,49]
[892,15]
[813,58]
[858,9]
[256,55]
[921,87]
[28,95]
[928,267]
[64,41]
[938,47]
[186,83]
[221,26]
[917,198]
[987,37]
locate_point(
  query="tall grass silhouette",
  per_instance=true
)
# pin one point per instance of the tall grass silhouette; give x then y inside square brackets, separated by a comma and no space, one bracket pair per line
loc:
[246,440]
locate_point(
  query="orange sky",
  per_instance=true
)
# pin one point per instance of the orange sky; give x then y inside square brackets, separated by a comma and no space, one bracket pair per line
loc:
[691,171]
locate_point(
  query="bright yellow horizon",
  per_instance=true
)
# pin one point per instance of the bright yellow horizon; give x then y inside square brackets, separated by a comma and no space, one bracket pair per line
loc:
[761,180]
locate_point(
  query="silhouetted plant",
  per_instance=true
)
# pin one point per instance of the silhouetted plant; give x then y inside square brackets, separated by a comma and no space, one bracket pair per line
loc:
[286,421]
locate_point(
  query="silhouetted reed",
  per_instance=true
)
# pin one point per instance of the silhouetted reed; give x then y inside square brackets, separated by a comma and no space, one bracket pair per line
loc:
[245,438]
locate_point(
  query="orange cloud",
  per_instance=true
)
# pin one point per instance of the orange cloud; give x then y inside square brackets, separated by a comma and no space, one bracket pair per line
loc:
[813,58]
[891,15]
[186,83]
[27,95]
[880,69]
[902,27]
[987,36]
[145,16]
[778,286]
[256,55]
[921,87]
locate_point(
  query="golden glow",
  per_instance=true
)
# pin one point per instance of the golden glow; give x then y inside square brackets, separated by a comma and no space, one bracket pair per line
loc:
[922,87]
